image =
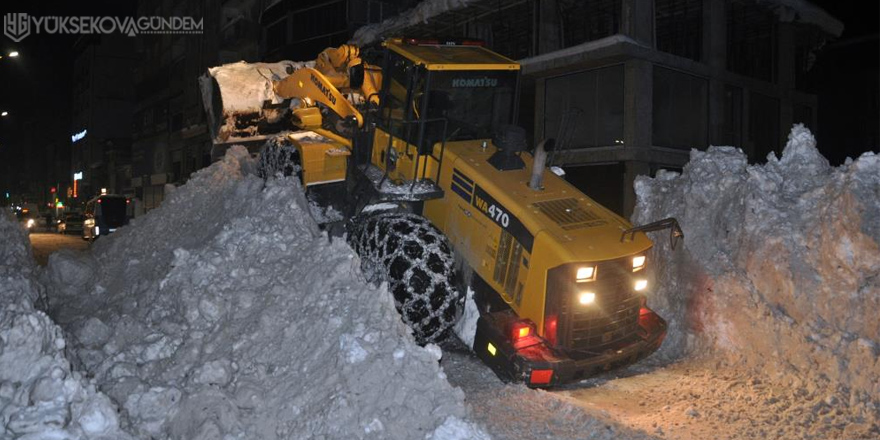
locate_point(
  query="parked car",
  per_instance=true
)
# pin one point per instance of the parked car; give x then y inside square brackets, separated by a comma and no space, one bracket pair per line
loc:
[71,222]
[103,215]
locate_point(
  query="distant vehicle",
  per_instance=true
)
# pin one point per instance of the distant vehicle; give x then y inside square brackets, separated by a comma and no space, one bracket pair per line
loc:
[29,220]
[71,222]
[103,215]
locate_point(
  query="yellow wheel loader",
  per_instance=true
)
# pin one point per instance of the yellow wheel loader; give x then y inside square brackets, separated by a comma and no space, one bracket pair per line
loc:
[417,150]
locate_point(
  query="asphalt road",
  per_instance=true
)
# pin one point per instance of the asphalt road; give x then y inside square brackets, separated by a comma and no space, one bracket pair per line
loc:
[45,243]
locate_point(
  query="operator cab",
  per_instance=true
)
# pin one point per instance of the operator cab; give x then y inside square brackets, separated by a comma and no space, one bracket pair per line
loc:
[434,92]
[461,87]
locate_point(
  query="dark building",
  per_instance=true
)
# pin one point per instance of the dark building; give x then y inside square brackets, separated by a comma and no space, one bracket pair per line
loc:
[629,86]
[170,135]
[847,81]
[300,29]
[100,132]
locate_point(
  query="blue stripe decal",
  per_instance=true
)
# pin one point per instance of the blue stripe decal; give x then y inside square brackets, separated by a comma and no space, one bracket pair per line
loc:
[467,187]
[458,173]
[464,194]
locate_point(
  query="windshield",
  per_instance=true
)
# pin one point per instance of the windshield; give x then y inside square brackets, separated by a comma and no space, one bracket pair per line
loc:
[473,102]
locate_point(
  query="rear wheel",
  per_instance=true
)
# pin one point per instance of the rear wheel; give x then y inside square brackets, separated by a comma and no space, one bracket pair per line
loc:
[408,252]
[279,157]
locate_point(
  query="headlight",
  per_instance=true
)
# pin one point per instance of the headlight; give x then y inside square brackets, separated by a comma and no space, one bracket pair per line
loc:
[641,285]
[638,262]
[587,298]
[30,223]
[89,222]
[586,273]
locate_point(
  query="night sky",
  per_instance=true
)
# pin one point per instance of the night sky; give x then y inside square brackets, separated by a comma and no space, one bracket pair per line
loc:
[36,87]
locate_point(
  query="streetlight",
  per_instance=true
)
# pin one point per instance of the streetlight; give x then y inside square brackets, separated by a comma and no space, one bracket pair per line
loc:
[4,114]
[13,54]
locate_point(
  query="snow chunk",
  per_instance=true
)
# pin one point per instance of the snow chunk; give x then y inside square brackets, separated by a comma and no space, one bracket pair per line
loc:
[40,396]
[466,327]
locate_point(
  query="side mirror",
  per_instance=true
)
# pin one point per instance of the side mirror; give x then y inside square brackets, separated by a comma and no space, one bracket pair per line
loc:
[356,76]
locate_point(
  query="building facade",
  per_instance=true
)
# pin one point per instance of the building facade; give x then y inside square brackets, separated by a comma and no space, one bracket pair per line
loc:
[300,29]
[170,136]
[100,131]
[627,87]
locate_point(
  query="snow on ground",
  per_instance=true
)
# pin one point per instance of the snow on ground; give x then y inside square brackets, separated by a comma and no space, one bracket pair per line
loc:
[226,313]
[41,397]
[778,277]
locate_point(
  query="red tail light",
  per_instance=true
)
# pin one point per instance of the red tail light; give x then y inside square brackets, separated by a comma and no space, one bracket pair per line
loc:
[520,330]
[550,329]
[541,377]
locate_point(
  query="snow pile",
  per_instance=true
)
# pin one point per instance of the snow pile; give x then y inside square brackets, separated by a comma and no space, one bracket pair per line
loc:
[779,272]
[421,13]
[226,313]
[40,397]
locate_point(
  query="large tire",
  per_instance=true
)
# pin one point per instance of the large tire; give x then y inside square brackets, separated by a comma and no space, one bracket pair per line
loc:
[279,157]
[408,252]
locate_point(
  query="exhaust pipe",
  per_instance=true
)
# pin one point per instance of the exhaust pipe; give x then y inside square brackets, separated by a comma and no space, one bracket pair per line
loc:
[538,164]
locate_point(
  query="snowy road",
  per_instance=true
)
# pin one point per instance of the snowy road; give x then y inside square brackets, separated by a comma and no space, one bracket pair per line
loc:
[45,243]
[695,399]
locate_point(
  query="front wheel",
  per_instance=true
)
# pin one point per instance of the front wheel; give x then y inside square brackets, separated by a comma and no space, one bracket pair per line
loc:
[413,256]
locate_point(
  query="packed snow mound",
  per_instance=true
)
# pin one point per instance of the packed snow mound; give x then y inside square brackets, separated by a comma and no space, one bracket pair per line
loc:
[779,270]
[226,313]
[40,396]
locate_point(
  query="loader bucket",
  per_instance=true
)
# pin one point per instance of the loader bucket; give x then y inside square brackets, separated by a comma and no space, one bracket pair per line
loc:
[241,104]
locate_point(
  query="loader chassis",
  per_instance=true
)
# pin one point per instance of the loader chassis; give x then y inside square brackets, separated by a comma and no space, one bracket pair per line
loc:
[428,141]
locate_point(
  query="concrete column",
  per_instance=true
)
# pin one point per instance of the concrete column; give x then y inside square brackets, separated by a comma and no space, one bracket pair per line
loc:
[548,27]
[637,122]
[715,56]
[785,71]
[715,34]
[637,20]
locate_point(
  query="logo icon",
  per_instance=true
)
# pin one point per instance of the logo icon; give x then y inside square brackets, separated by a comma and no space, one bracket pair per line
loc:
[16,26]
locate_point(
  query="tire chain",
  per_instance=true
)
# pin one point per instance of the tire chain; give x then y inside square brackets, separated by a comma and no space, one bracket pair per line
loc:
[414,257]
